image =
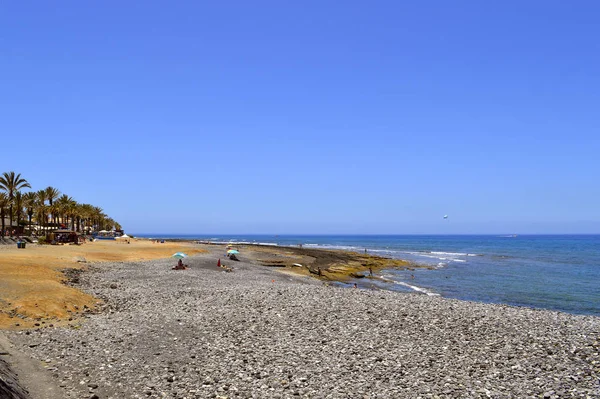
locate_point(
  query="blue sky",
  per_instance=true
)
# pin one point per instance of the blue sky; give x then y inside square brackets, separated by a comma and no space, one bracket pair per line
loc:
[309,117]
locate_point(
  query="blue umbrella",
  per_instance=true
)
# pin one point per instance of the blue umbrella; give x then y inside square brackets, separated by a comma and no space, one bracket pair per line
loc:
[233,251]
[179,255]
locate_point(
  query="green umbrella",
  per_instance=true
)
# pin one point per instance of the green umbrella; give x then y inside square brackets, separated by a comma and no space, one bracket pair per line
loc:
[179,255]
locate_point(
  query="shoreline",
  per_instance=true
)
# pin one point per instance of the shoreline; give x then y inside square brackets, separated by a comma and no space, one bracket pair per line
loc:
[202,332]
[337,265]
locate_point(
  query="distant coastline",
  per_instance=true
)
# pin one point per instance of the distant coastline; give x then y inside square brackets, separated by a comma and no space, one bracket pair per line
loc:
[548,271]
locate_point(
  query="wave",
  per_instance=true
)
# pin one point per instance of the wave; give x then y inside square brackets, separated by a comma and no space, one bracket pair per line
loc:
[333,246]
[412,287]
[449,253]
[234,242]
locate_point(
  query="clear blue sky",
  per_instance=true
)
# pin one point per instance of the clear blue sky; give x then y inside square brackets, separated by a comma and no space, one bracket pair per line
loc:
[309,116]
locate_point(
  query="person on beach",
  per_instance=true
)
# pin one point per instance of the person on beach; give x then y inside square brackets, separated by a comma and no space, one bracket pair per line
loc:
[180,265]
[370,271]
[355,286]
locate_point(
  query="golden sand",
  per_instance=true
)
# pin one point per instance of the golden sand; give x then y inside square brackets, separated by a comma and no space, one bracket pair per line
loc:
[31,281]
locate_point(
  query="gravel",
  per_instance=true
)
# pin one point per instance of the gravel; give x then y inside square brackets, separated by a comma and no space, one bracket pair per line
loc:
[257,333]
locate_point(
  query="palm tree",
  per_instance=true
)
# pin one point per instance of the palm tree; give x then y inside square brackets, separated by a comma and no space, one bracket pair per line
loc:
[51,195]
[80,213]
[108,223]
[41,214]
[98,217]
[72,212]
[18,205]
[11,183]
[4,202]
[47,205]
[61,205]
[66,209]
[29,201]
[87,215]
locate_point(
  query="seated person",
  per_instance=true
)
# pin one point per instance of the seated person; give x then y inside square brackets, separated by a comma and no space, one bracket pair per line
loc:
[180,265]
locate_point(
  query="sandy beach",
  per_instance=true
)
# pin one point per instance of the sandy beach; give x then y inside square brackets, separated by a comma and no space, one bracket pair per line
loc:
[258,332]
[31,281]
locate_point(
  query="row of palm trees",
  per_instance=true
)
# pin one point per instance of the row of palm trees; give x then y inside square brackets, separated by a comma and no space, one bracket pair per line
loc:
[48,208]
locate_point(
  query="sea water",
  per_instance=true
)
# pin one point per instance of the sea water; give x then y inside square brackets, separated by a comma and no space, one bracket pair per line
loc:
[559,272]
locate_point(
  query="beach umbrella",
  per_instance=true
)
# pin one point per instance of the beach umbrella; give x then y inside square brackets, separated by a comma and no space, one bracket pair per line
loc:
[179,255]
[233,251]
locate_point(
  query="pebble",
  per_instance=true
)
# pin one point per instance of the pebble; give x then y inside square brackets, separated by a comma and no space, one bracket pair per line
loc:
[203,333]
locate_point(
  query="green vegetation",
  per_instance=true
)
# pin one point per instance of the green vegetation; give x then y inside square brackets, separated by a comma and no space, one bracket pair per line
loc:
[47,208]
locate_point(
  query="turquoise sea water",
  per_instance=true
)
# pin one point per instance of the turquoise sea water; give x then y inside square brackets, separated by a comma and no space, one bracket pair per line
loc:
[559,272]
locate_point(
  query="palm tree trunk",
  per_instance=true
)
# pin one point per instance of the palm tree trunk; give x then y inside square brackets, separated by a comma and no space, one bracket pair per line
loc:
[2,217]
[10,216]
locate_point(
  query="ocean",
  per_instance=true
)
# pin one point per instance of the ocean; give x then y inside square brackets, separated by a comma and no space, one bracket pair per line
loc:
[558,272]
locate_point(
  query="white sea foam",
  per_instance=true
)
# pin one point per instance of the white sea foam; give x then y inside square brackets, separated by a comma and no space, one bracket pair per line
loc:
[449,253]
[330,246]
[384,251]
[433,257]
[412,287]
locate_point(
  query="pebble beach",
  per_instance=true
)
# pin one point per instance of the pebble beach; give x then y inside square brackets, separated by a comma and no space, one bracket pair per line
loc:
[259,333]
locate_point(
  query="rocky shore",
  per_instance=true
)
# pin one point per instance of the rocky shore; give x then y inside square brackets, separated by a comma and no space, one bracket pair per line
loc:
[257,333]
